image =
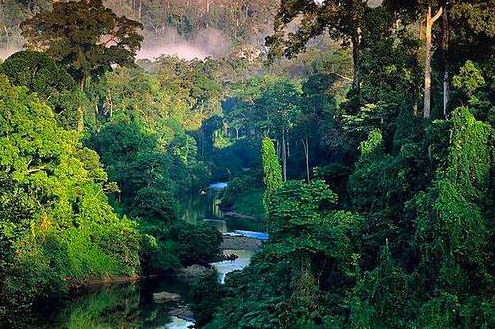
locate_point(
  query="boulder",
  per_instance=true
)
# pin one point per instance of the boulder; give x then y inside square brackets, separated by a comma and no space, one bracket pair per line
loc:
[193,271]
[165,297]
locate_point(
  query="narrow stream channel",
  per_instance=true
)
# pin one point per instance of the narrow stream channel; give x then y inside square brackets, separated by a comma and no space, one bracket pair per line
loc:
[131,305]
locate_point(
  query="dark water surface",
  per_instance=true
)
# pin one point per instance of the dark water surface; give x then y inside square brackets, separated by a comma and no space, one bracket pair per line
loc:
[116,306]
[205,207]
[131,305]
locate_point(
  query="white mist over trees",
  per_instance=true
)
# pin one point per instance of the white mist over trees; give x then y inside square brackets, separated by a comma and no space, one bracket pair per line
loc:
[188,29]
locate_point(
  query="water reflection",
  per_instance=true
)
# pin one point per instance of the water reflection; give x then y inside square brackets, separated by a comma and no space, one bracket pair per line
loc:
[205,207]
[113,307]
[196,206]
[132,306]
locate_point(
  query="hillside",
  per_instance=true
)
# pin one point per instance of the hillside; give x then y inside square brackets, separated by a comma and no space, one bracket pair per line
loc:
[193,28]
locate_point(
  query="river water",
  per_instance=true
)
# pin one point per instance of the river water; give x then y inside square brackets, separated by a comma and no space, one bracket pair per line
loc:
[131,305]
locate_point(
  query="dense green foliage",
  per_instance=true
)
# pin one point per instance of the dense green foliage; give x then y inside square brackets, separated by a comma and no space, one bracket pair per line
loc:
[379,215]
[408,242]
[244,195]
[57,227]
[43,76]
[84,36]
[313,249]
[67,219]
[271,166]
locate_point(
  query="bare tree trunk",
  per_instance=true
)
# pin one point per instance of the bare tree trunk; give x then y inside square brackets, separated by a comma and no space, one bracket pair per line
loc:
[306,154]
[110,102]
[417,89]
[80,110]
[445,59]
[356,61]
[429,25]
[284,155]
[80,119]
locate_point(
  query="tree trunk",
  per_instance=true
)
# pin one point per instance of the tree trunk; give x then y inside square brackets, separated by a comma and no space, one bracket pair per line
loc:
[284,155]
[429,25]
[417,88]
[306,154]
[445,60]
[80,110]
[80,119]
[356,61]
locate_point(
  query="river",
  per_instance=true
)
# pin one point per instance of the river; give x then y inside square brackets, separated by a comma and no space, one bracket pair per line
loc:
[123,306]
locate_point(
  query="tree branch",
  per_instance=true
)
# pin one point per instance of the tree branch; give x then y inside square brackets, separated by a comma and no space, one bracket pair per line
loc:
[343,77]
[33,170]
[437,16]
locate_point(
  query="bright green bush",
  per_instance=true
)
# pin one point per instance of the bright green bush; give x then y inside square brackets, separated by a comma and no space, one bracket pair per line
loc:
[55,218]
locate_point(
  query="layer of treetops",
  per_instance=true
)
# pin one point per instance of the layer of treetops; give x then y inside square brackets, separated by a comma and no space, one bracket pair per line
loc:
[361,133]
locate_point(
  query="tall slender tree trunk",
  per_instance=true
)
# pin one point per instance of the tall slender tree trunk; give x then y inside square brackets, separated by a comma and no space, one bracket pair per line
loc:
[80,110]
[284,156]
[356,61]
[417,88]
[429,26]
[80,119]
[445,59]
[306,154]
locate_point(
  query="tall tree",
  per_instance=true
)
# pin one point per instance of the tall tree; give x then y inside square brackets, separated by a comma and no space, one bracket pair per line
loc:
[430,21]
[428,12]
[38,72]
[341,18]
[279,106]
[85,37]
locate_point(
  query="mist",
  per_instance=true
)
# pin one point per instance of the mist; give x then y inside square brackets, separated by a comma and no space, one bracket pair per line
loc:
[208,43]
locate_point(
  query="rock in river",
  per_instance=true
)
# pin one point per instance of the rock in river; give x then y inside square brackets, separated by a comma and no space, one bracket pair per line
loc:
[193,271]
[165,297]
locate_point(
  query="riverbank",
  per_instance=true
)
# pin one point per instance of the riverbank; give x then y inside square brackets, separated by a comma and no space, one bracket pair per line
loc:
[230,245]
